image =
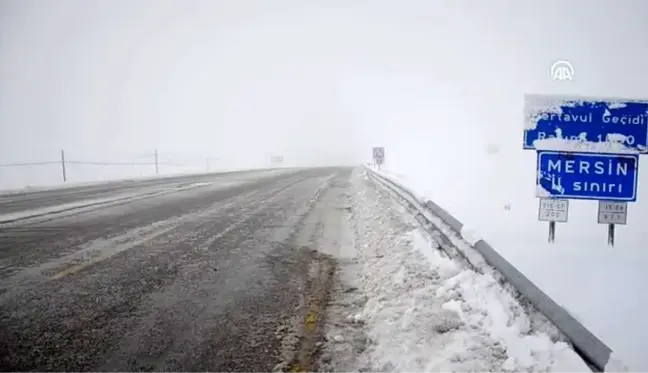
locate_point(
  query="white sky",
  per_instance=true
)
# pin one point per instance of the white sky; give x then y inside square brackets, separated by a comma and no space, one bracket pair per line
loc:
[317,81]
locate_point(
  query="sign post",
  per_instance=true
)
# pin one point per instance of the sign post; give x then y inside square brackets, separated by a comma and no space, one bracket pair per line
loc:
[553,210]
[379,156]
[587,149]
[612,213]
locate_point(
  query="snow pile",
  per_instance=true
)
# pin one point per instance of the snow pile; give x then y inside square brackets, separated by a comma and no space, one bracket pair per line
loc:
[425,312]
[537,106]
[172,177]
[600,284]
[26,214]
[95,202]
[398,179]
[579,145]
[470,235]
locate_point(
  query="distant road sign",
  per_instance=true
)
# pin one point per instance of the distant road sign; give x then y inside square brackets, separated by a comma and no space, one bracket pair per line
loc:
[379,155]
[588,122]
[613,212]
[611,177]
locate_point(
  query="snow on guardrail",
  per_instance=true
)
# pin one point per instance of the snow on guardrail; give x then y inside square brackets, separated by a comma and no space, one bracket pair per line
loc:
[587,345]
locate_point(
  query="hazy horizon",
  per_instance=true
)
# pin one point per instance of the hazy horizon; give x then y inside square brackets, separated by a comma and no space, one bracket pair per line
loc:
[317,82]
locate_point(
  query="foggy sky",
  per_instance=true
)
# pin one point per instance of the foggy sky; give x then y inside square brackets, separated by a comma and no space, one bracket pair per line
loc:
[436,82]
[316,81]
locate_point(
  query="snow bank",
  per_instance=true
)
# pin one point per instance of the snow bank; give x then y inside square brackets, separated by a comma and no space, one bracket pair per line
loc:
[175,175]
[426,312]
[596,282]
[89,203]
[470,235]
[536,106]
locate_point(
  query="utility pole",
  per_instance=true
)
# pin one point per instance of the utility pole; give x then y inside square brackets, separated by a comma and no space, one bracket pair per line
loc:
[63,165]
[157,169]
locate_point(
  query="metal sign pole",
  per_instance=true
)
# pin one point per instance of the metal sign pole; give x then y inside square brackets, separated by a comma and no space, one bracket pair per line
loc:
[611,235]
[552,231]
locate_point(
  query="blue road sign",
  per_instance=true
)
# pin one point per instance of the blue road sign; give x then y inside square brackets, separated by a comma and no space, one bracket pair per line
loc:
[611,177]
[584,119]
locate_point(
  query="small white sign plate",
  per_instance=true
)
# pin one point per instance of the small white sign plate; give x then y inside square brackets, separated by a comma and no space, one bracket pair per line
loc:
[551,209]
[610,212]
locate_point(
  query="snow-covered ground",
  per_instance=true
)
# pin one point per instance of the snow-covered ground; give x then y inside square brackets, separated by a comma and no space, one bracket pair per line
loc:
[92,180]
[123,197]
[67,185]
[494,196]
[94,202]
[411,308]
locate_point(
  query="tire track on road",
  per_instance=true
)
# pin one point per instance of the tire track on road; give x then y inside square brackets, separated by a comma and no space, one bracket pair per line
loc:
[67,234]
[182,335]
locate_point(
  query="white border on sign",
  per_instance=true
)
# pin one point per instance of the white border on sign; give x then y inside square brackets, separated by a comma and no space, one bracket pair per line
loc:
[564,196]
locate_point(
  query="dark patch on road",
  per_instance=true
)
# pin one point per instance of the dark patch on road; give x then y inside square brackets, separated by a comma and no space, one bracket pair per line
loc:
[313,314]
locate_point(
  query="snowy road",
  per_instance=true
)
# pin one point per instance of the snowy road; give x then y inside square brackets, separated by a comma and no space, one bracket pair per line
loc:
[206,278]
[13,202]
[401,305]
[269,271]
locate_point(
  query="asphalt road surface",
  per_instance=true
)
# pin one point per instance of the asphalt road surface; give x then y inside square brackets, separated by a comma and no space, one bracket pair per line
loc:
[197,279]
[24,200]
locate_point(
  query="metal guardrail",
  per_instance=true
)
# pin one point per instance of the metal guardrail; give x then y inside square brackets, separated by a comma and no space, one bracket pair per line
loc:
[590,348]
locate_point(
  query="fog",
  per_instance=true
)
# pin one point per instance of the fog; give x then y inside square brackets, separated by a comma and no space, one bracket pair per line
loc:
[215,85]
[317,82]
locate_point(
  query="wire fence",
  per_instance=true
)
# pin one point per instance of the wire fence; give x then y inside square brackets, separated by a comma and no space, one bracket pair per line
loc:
[147,164]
